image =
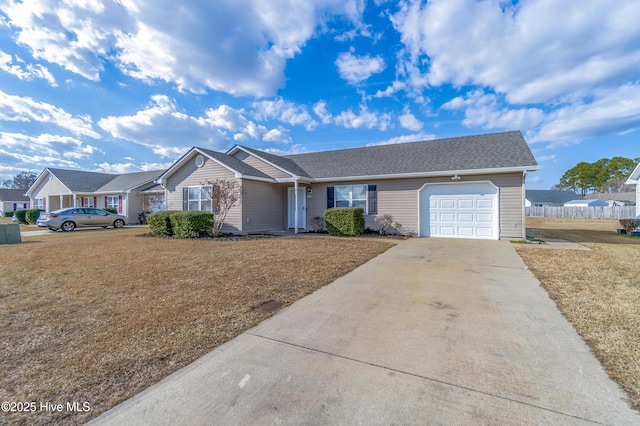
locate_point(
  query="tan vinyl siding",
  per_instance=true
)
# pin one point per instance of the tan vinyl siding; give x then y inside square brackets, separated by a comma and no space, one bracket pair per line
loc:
[191,175]
[50,187]
[257,163]
[399,197]
[262,206]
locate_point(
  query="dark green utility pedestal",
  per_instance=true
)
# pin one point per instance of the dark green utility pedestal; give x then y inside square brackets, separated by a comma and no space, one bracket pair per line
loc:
[10,233]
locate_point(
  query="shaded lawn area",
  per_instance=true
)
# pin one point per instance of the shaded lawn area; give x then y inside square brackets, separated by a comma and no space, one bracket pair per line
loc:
[100,316]
[598,290]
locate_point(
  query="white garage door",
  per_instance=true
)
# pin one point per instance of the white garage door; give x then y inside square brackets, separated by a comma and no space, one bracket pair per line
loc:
[460,210]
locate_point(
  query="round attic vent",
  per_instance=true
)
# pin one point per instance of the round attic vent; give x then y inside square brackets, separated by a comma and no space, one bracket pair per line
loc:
[199,161]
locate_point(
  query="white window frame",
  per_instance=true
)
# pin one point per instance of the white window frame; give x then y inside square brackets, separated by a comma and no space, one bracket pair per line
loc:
[113,204]
[88,202]
[39,204]
[204,195]
[349,188]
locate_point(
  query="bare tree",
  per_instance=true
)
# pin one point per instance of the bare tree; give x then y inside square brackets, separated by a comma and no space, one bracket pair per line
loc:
[224,194]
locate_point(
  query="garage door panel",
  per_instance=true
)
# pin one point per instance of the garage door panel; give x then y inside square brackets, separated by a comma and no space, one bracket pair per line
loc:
[447,217]
[467,211]
[484,218]
[465,217]
[465,204]
[484,203]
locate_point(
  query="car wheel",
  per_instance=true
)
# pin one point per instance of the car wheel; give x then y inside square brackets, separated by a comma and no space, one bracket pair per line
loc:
[68,226]
[119,223]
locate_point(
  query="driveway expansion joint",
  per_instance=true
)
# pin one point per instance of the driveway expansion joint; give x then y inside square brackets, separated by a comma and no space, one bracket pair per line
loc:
[431,379]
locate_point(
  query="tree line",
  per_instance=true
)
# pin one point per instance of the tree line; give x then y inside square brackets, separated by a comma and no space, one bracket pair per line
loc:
[22,180]
[604,175]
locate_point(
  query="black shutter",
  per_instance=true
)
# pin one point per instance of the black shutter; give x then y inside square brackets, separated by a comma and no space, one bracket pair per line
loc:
[185,198]
[373,200]
[330,197]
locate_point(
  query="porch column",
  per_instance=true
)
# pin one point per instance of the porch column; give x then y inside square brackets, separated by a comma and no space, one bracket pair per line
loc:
[295,203]
[61,201]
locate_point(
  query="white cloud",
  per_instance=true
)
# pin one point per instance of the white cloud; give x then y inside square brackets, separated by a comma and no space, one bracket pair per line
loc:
[44,150]
[416,137]
[485,110]
[168,131]
[276,135]
[363,119]
[355,69]
[25,71]
[25,109]
[351,120]
[542,158]
[284,111]
[395,87]
[532,52]
[608,112]
[119,168]
[235,47]
[410,122]
[293,149]
[320,109]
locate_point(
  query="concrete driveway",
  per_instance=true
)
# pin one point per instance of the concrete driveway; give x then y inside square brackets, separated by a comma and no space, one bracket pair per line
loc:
[431,332]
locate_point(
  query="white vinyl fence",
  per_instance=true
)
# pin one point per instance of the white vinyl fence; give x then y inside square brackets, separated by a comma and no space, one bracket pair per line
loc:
[615,212]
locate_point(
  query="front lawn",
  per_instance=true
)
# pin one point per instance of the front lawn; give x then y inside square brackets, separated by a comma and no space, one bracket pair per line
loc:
[598,290]
[100,316]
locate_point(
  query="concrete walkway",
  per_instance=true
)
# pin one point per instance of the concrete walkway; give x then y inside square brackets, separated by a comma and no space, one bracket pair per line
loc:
[431,332]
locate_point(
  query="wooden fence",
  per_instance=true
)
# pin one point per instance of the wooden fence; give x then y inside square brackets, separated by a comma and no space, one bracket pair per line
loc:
[615,212]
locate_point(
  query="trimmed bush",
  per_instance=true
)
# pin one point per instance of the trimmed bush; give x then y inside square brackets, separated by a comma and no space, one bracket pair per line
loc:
[32,215]
[110,210]
[191,224]
[160,224]
[344,221]
[7,214]
[630,224]
[21,216]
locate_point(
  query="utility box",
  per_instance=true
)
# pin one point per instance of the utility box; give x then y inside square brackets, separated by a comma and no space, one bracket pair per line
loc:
[10,233]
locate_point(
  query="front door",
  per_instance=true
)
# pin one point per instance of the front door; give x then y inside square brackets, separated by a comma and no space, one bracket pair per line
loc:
[302,208]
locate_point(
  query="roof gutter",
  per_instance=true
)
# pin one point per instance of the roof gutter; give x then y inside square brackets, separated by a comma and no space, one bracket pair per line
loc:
[430,174]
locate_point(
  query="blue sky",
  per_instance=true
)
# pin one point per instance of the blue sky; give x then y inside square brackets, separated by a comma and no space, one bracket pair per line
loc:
[129,85]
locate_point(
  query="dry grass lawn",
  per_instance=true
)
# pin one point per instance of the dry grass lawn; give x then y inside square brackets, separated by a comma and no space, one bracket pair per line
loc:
[598,290]
[100,316]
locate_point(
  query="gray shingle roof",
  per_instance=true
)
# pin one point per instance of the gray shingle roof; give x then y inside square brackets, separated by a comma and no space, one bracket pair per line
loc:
[13,195]
[234,163]
[558,197]
[129,181]
[283,162]
[81,181]
[617,196]
[497,150]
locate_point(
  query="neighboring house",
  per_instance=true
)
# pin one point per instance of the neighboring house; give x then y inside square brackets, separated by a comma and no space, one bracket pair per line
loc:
[634,179]
[463,187]
[586,203]
[59,188]
[12,200]
[549,198]
[614,198]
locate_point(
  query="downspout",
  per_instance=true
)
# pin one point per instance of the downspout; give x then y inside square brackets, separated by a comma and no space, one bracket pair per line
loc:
[295,202]
[524,207]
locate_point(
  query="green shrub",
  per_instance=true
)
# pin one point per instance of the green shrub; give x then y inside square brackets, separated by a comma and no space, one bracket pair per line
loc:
[630,224]
[7,214]
[191,224]
[32,215]
[344,221]
[21,216]
[160,224]
[110,210]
